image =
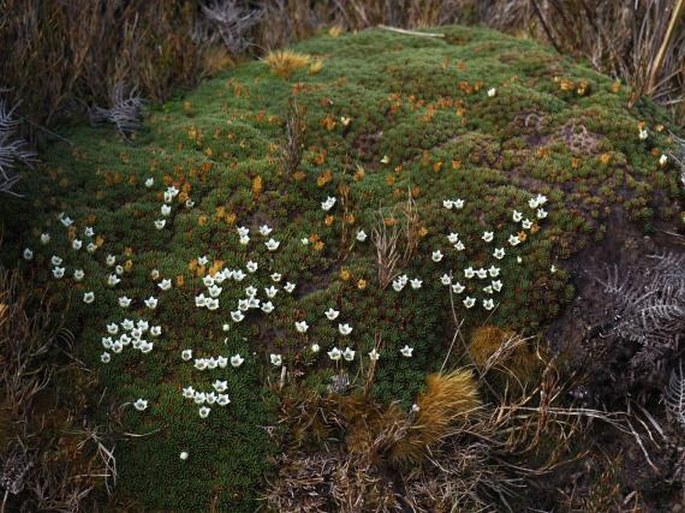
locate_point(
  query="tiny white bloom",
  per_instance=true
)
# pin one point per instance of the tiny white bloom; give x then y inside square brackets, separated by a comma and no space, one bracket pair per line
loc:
[553,269]
[494,271]
[276,359]
[154,274]
[202,260]
[499,253]
[113,280]
[184,454]
[146,347]
[407,351]
[541,213]
[492,92]
[289,287]
[187,354]
[91,247]
[214,290]
[374,355]
[212,363]
[458,288]
[66,221]
[165,210]
[514,240]
[533,203]
[44,238]
[220,386]
[271,291]
[517,216]
[272,245]
[79,274]
[361,235]
[200,301]
[124,302]
[267,307]
[276,277]
[541,199]
[105,357]
[149,182]
[488,236]
[331,314]
[119,270]
[208,280]
[526,224]
[222,400]
[88,297]
[436,256]
[204,412]
[335,354]
[110,260]
[488,304]
[173,191]
[28,254]
[265,230]
[160,223]
[250,291]
[416,283]
[453,238]
[315,348]
[301,326]
[643,134]
[304,241]
[55,260]
[469,272]
[519,260]
[239,275]
[165,284]
[189,203]
[445,279]
[663,160]
[459,246]
[127,324]
[199,397]
[252,266]
[140,404]
[237,360]
[344,329]
[497,285]
[200,364]
[244,240]
[151,302]
[458,203]
[58,272]
[212,304]
[448,204]
[188,392]
[469,301]
[243,231]
[348,354]
[482,273]
[237,316]
[397,285]
[113,328]
[328,204]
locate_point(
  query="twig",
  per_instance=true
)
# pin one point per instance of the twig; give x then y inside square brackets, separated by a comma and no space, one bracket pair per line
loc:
[411,32]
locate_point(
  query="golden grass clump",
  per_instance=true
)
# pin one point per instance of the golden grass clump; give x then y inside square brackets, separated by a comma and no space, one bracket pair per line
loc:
[284,62]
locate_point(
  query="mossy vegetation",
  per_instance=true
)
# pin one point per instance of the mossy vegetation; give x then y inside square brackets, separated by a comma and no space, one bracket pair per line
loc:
[385,120]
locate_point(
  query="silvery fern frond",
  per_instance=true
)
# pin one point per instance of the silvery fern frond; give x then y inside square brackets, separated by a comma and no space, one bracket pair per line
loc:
[13,149]
[674,395]
[126,112]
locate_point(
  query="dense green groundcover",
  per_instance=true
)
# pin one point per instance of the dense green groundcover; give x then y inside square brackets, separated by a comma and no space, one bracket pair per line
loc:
[479,116]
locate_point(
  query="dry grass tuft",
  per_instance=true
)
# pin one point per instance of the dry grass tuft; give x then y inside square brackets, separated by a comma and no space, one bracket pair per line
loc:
[285,62]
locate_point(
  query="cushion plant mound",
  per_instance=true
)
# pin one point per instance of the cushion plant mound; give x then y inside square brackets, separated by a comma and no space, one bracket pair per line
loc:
[492,159]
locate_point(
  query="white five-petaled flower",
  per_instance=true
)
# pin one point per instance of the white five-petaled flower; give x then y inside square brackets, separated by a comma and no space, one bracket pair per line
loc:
[361,235]
[127,324]
[55,260]
[91,247]
[140,404]
[458,288]
[301,326]
[331,314]
[407,351]
[124,302]
[315,347]
[160,223]
[335,354]
[204,412]
[458,203]
[220,386]
[154,274]
[272,244]
[482,273]
[200,364]
[289,287]
[237,360]
[58,272]
[398,284]
[244,240]
[151,302]
[328,204]
[344,329]
[663,160]
[208,280]
[497,285]
[276,359]
[222,399]
[488,304]
[526,224]
[416,283]
[250,291]
[88,297]
[553,269]
[212,304]
[243,231]
[189,203]
[265,230]
[105,357]
[267,307]
[79,274]
[453,238]
[374,355]
[214,291]
[498,253]
[149,182]
[165,210]
[237,315]
[276,277]
[200,301]
[459,246]
[348,354]
[183,456]
[113,280]
[492,92]
[448,204]
[541,213]
[446,279]
[304,241]
[65,220]
[186,355]
[188,392]
[28,254]
[469,301]
[239,275]
[113,328]
[517,216]
[436,255]
[514,240]
[488,236]
[469,272]
[494,271]
[252,266]
[643,134]
[44,238]
[119,270]
[271,291]
[164,284]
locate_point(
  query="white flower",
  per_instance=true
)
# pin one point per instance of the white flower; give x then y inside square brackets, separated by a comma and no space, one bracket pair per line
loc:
[458,288]
[113,280]
[58,272]
[482,273]
[140,404]
[208,280]
[212,304]
[237,316]
[88,297]
[344,329]
[416,283]
[186,355]
[155,331]
[66,221]
[214,291]
[151,302]
[271,291]
[453,238]
[328,204]
[149,182]
[494,271]
[55,260]
[663,160]
[124,302]
[164,284]
[212,363]
[315,347]
[488,289]
[160,223]
[448,204]
[243,231]
[488,236]
[497,285]
[526,224]
[643,134]
[127,324]
[331,314]
[244,240]
[436,256]
[154,274]
[184,454]
[304,241]
[499,253]
[172,191]
[91,247]
[204,412]
[385,160]
[202,260]
[189,392]
[226,327]
[222,400]
[541,199]
[252,266]
[267,307]
[335,354]
[189,203]
[407,351]
[348,354]
[397,285]
[199,397]
[237,360]
[276,359]
[113,328]
[220,386]
[301,326]
[361,235]
[553,269]
[272,244]
[469,272]
[28,254]
[239,275]
[289,287]
[119,270]
[201,301]
[517,216]
[146,347]
[265,230]
[105,357]
[541,213]
[168,198]
[221,362]
[458,203]
[514,240]
[445,279]
[44,238]
[488,304]
[78,274]
[374,355]
[276,277]
[492,92]
[519,260]
[200,364]
[469,301]
[117,347]
[210,397]
[165,210]
[250,291]
[533,203]
[459,246]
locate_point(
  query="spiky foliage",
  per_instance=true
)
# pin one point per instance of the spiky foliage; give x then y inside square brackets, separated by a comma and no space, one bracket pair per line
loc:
[12,148]
[126,112]
[292,148]
[232,21]
[285,62]
[646,305]
[674,395]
